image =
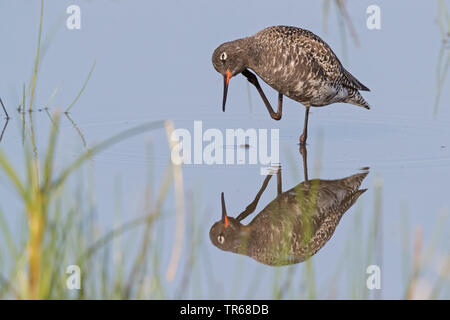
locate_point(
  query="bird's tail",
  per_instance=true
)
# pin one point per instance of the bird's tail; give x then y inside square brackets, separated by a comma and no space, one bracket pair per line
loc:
[353,183]
[356,98]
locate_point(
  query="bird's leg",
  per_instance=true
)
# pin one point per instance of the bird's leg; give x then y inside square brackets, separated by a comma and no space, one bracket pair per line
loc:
[252,206]
[4,109]
[304,135]
[279,182]
[304,153]
[251,77]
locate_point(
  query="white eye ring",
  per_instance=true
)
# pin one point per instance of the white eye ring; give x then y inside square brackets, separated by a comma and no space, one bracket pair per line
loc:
[221,239]
[223,56]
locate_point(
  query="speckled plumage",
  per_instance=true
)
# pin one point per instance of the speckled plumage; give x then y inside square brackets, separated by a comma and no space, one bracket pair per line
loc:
[295,225]
[295,62]
[303,67]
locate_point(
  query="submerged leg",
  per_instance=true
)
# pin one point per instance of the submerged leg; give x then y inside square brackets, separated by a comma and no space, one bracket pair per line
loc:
[252,206]
[251,77]
[279,183]
[304,153]
[304,135]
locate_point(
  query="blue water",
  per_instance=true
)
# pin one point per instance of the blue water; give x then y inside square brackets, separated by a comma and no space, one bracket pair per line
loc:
[153,62]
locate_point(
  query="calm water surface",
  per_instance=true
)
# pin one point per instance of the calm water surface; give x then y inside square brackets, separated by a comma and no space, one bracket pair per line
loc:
[154,63]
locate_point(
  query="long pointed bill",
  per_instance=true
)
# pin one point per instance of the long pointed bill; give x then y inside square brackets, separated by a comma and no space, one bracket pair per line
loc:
[226,80]
[224,212]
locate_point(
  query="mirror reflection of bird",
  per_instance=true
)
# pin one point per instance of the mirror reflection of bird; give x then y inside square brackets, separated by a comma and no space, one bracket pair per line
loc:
[296,63]
[292,227]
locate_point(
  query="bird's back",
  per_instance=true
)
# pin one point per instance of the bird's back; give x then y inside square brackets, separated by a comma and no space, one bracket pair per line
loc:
[301,220]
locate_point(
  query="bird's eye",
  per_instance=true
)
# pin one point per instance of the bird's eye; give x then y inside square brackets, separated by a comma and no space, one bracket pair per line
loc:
[223,56]
[221,239]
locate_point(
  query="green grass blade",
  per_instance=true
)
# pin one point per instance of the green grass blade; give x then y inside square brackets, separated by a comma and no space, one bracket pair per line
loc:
[12,175]
[49,158]
[82,88]
[36,62]
[7,236]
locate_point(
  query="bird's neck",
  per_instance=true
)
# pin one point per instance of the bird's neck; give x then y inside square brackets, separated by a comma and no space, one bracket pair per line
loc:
[243,239]
[243,47]
[253,53]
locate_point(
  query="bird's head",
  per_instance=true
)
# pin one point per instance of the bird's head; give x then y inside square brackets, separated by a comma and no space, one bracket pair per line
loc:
[225,234]
[229,60]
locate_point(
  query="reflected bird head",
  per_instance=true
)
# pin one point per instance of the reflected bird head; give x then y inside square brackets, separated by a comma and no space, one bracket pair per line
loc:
[224,234]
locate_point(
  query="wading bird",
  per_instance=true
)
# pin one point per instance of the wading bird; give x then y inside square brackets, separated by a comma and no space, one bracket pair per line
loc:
[296,63]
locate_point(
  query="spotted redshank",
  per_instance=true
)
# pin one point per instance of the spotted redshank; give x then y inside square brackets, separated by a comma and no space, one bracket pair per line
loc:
[296,63]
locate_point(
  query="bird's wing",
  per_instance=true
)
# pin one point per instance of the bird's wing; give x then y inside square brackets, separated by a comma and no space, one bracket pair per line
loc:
[353,82]
[315,49]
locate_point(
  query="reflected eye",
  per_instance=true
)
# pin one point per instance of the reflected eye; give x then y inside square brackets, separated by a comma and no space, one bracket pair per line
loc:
[221,239]
[223,56]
